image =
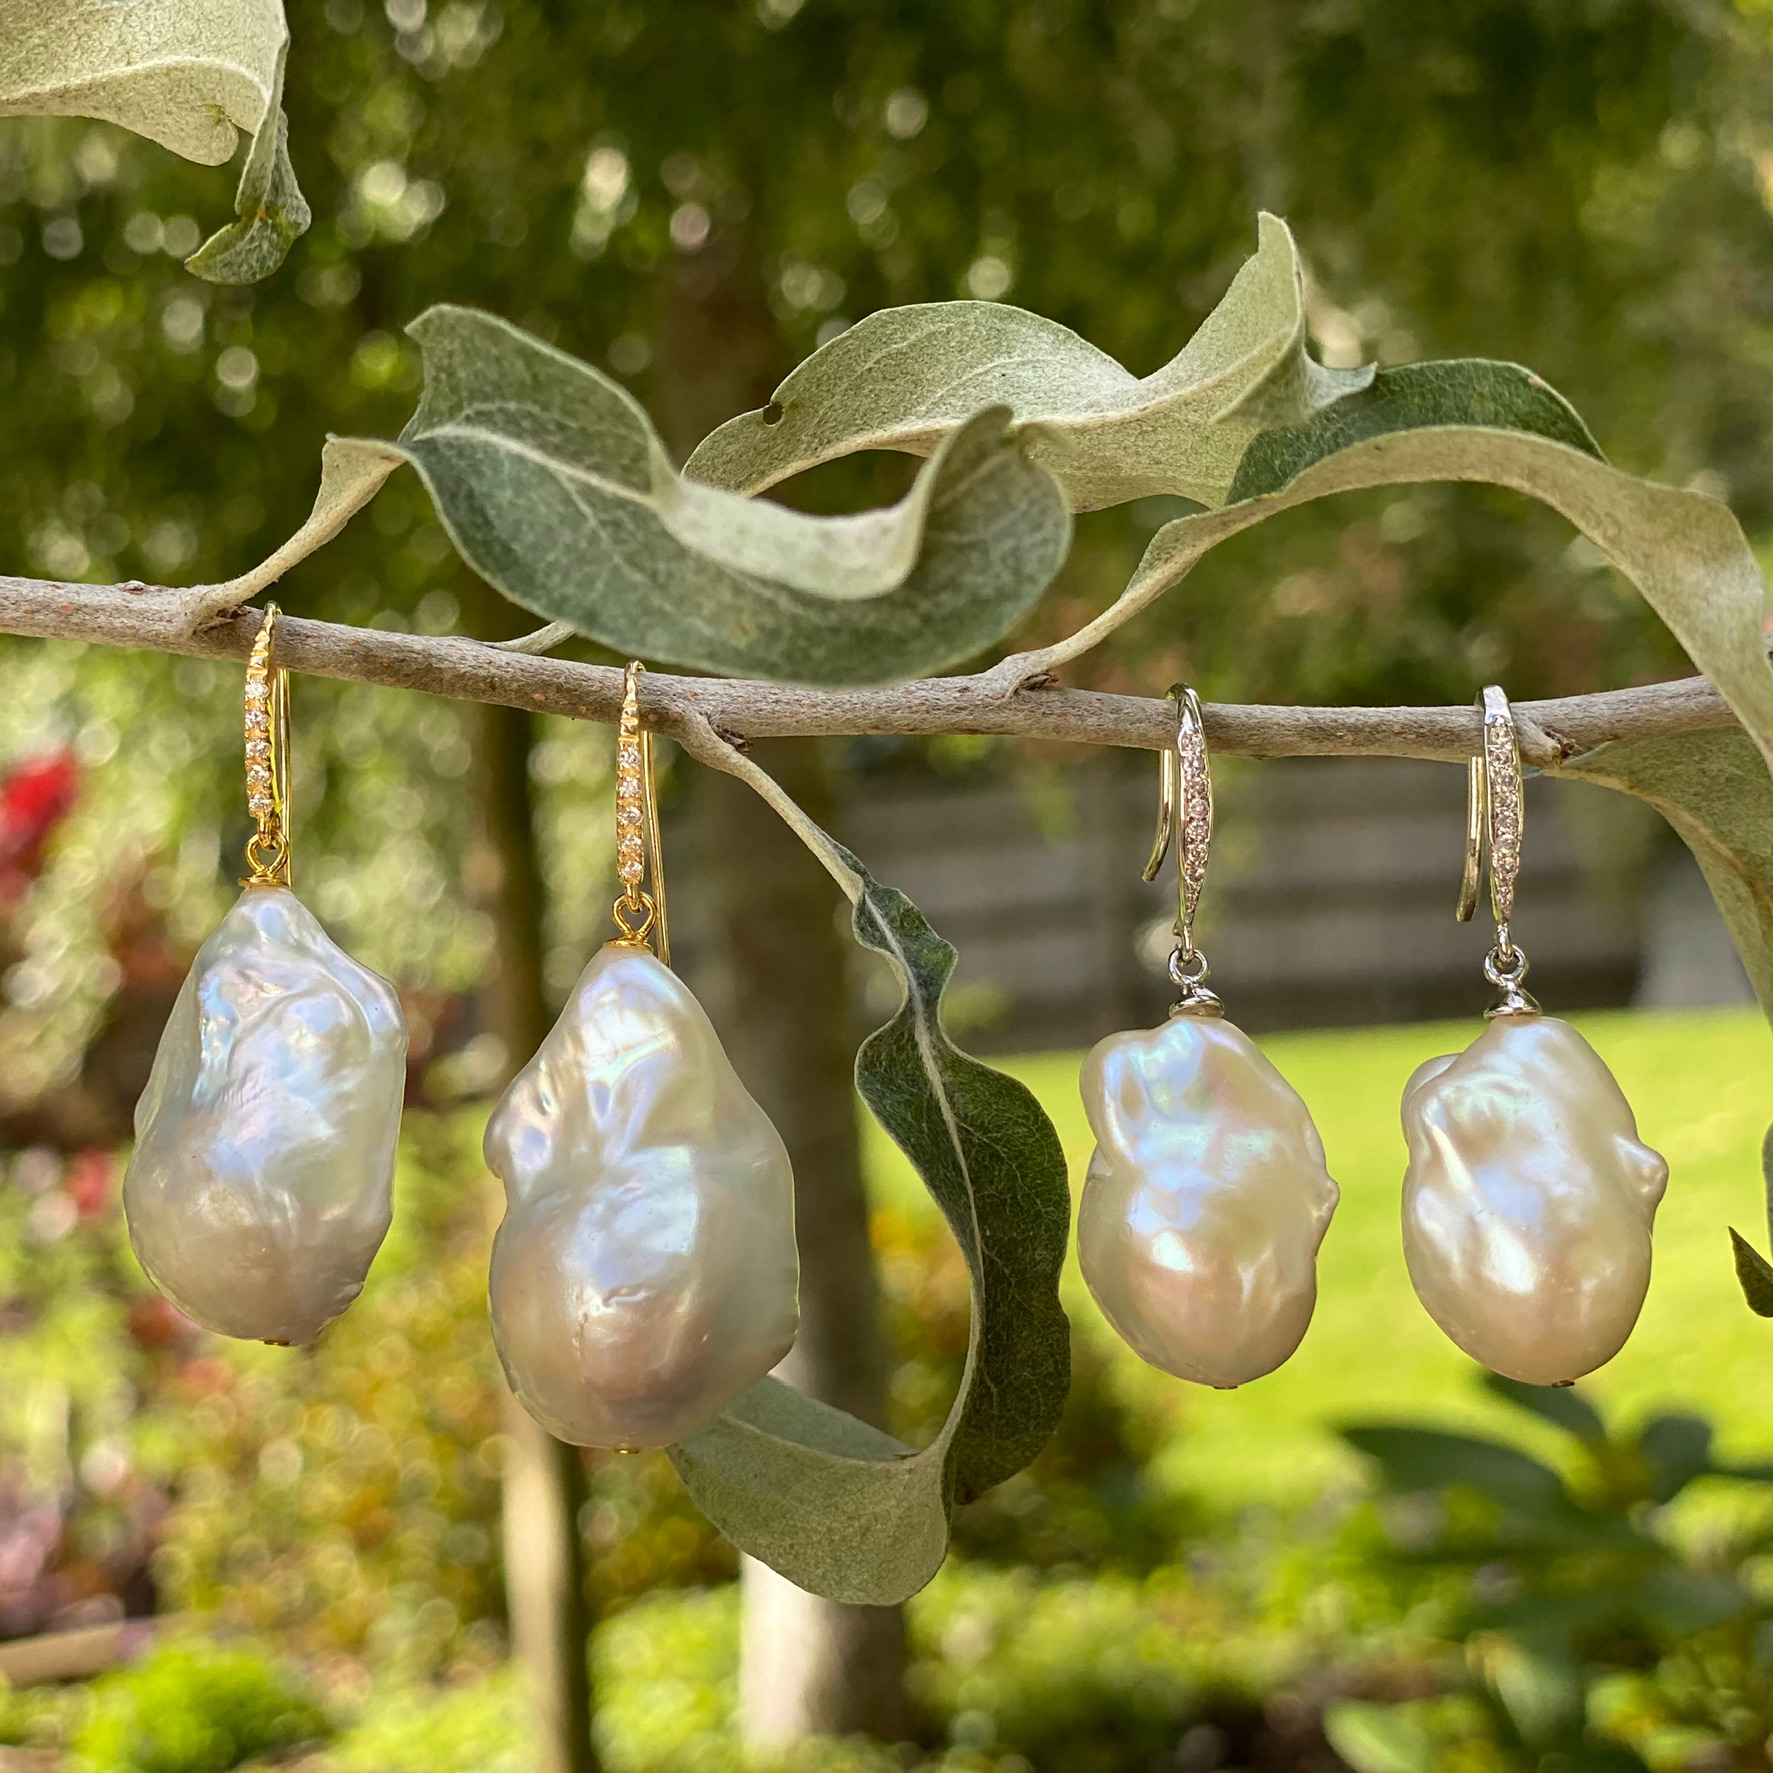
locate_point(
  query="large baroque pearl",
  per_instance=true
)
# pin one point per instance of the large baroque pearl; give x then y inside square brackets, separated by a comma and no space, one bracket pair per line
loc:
[1205,1203]
[261,1184]
[645,1272]
[1528,1201]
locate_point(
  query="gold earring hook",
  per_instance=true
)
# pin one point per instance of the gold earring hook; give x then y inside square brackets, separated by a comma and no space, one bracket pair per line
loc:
[1495,822]
[267,758]
[1185,820]
[639,914]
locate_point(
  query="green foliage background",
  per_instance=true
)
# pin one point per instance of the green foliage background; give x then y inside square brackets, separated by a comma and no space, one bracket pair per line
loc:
[1582,189]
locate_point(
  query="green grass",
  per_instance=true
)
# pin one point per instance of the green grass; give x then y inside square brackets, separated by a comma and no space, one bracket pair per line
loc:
[1703,1090]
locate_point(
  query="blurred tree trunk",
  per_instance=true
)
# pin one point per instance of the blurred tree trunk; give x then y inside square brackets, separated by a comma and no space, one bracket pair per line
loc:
[546,1601]
[780,997]
[777,987]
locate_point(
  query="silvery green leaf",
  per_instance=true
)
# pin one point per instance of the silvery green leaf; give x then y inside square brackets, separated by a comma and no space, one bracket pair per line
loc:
[836,1506]
[352,470]
[555,487]
[1713,788]
[904,378]
[189,74]
[273,212]
[1498,424]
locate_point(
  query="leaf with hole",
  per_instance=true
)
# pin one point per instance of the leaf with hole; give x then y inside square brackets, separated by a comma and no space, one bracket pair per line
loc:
[836,1506]
[1501,425]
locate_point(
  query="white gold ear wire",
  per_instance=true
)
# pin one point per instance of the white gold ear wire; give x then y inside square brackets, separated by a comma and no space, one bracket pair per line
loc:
[1206,1197]
[1528,1198]
[1495,821]
[1185,819]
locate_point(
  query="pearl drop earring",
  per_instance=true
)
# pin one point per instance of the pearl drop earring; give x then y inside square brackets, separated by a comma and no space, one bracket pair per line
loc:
[1207,1196]
[645,1272]
[1529,1199]
[261,1184]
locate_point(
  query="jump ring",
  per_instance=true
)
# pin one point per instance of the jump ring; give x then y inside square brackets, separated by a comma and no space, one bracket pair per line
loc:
[1189,969]
[642,909]
[1505,966]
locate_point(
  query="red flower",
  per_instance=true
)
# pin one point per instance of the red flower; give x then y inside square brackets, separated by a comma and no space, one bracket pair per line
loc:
[35,796]
[87,1182]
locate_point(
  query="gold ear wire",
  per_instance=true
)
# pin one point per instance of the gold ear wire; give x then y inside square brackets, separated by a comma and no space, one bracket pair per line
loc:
[639,914]
[1185,820]
[1495,822]
[267,758]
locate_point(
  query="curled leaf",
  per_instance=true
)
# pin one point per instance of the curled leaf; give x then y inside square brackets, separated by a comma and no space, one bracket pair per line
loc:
[1713,788]
[904,378]
[836,1506]
[188,74]
[352,470]
[272,210]
[1497,424]
[555,488]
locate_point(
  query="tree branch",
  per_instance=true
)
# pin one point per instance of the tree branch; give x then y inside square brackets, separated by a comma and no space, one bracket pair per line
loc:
[697,708]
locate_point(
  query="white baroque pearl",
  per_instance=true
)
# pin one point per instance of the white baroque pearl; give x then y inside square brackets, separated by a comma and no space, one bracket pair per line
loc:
[1528,1201]
[646,1271]
[261,1184]
[1205,1203]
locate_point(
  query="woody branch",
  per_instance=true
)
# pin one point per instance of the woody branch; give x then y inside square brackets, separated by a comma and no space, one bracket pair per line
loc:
[694,709]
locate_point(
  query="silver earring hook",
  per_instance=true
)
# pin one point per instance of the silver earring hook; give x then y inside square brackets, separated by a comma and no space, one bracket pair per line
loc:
[1185,821]
[1495,821]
